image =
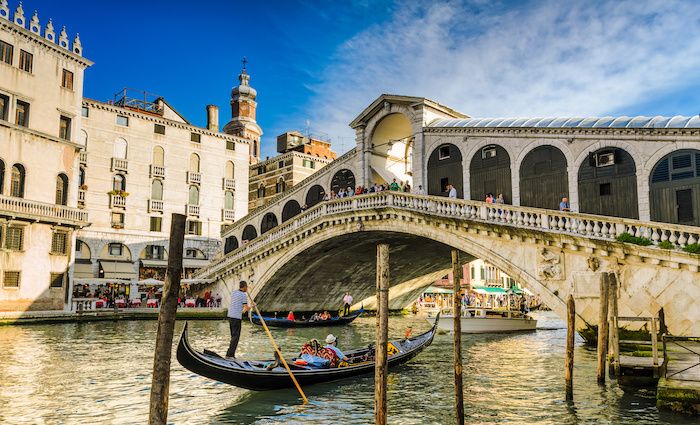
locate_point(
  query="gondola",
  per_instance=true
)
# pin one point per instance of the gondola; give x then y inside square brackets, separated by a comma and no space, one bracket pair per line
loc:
[282,322]
[254,375]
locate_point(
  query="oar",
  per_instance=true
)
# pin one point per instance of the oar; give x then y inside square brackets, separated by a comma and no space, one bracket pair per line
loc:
[274,345]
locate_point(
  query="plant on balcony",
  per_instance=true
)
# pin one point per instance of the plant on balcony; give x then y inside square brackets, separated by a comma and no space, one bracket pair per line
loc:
[628,238]
[666,245]
[122,193]
[83,187]
[117,226]
[693,248]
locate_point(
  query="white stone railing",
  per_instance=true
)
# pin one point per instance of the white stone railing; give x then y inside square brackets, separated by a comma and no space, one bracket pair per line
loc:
[193,177]
[81,196]
[229,184]
[42,211]
[192,210]
[157,171]
[155,205]
[119,164]
[83,158]
[117,201]
[228,215]
[585,225]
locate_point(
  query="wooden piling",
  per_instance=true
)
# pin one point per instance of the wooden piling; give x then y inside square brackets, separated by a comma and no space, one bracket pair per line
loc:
[160,383]
[569,361]
[380,371]
[459,391]
[603,326]
[614,338]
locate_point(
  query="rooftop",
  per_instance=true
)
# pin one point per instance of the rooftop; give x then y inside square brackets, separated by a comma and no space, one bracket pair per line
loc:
[576,122]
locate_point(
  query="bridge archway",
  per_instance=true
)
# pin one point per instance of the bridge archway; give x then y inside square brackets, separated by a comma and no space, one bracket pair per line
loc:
[489,172]
[391,143]
[290,209]
[445,166]
[315,195]
[249,233]
[343,179]
[674,188]
[607,184]
[231,244]
[269,221]
[544,179]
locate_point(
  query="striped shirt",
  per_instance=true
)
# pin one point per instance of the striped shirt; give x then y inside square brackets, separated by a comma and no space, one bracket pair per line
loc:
[238,300]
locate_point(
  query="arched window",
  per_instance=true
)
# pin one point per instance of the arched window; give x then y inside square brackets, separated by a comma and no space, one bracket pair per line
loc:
[261,191]
[119,182]
[61,189]
[84,139]
[17,181]
[158,156]
[228,200]
[281,185]
[157,190]
[194,195]
[2,176]
[120,148]
[194,163]
[81,176]
[229,170]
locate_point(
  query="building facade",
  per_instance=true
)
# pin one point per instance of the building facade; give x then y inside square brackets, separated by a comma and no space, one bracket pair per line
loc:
[41,83]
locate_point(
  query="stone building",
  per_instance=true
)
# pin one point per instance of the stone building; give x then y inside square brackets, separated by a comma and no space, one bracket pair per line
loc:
[41,90]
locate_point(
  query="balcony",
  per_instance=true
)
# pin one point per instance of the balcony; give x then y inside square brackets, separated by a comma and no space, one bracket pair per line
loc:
[40,211]
[157,171]
[193,210]
[228,215]
[194,177]
[117,201]
[83,158]
[119,164]
[155,205]
[81,198]
[229,184]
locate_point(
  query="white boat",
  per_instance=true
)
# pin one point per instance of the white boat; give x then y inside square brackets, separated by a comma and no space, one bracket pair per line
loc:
[481,320]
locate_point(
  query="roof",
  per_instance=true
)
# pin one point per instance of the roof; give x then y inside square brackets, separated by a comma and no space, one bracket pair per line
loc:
[377,104]
[573,122]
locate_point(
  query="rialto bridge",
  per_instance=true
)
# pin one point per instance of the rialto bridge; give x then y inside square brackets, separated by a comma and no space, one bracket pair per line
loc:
[634,175]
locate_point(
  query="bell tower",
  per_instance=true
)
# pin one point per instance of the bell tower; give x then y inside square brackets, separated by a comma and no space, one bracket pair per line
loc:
[243,107]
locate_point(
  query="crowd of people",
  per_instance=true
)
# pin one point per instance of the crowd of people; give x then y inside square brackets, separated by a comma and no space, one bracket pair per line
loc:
[394,186]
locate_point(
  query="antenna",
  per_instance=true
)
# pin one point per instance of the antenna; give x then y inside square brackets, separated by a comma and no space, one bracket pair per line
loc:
[308,128]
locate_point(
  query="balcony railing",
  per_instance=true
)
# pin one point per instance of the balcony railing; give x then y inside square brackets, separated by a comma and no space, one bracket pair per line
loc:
[229,184]
[81,198]
[194,177]
[228,215]
[119,164]
[155,205]
[41,211]
[193,210]
[117,201]
[157,171]
[83,158]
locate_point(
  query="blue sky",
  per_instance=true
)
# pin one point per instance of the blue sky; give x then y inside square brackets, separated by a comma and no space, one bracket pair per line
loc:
[322,62]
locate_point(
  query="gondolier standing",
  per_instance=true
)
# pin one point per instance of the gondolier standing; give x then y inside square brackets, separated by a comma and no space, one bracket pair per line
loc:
[238,306]
[347,299]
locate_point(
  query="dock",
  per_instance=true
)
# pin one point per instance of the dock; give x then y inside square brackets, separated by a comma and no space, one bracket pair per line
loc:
[679,387]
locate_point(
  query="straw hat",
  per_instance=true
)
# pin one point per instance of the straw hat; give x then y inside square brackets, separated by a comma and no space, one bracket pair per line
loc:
[330,339]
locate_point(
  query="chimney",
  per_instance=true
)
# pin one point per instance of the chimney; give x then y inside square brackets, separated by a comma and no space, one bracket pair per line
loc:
[212,118]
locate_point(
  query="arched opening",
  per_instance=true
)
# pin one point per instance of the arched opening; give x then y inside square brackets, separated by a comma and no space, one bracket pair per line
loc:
[84,139]
[194,163]
[229,170]
[249,233]
[674,188]
[82,250]
[157,190]
[343,179]
[120,148]
[290,209]
[390,146]
[607,184]
[230,244]
[194,195]
[115,251]
[154,252]
[261,191]
[269,221]
[228,200]
[314,195]
[2,176]
[281,185]
[445,167]
[195,254]
[544,180]
[489,172]
[119,182]
[17,181]
[158,156]
[61,189]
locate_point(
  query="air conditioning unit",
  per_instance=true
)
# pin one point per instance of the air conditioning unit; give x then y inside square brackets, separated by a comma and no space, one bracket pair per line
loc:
[488,152]
[605,159]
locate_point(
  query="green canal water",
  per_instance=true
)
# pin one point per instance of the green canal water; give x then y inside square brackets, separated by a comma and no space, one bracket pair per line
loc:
[99,373]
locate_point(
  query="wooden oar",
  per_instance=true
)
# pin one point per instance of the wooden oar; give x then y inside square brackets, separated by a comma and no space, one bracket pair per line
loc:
[274,345]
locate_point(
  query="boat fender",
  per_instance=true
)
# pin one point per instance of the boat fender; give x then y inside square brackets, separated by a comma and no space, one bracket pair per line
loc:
[301,362]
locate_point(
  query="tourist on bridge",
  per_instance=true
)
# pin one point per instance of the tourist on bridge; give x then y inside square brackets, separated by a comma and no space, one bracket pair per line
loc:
[394,186]
[239,306]
[499,199]
[451,191]
[420,190]
[331,344]
[564,204]
[489,198]
[347,301]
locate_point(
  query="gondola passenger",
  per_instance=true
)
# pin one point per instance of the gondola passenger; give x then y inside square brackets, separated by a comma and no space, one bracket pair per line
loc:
[331,344]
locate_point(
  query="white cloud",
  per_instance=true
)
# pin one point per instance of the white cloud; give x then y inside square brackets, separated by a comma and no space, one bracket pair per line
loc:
[540,59]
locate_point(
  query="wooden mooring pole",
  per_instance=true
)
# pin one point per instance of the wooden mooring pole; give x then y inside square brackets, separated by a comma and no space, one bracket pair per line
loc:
[569,361]
[160,384]
[614,338]
[380,370]
[459,391]
[603,326]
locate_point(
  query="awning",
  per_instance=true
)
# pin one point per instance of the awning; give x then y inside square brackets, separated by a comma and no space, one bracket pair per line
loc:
[82,271]
[118,270]
[191,263]
[196,281]
[155,263]
[151,282]
[489,290]
[436,290]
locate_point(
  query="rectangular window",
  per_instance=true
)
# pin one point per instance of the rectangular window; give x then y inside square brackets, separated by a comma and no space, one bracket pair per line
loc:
[156,224]
[6,51]
[605,189]
[10,279]
[57,280]
[280,164]
[26,61]
[22,114]
[261,170]
[14,239]
[155,252]
[122,120]
[309,163]
[59,243]
[443,152]
[85,111]
[4,106]
[195,137]
[115,249]
[194,228]
[64,128]
[67,80]
[158,128]
[118,219]
[230,145]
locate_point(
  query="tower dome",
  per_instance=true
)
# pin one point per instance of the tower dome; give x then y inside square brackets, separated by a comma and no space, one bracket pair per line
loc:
[243,106]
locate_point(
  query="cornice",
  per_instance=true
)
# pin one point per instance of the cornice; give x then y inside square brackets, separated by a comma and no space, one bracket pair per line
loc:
[35,38]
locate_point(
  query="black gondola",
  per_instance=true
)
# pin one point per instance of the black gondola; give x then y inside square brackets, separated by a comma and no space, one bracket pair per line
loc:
[254,375]
[275,322]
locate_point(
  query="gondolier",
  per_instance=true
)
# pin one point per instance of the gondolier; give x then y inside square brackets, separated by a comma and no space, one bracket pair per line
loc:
[347,300]
[236,309]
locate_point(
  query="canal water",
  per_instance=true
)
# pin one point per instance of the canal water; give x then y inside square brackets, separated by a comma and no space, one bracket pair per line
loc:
[99,373]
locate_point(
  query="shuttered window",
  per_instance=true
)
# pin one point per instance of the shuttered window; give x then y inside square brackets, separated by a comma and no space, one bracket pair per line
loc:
[14,239]
[67,80]
[59,243]
[6,51]
[10,279]
[26,61]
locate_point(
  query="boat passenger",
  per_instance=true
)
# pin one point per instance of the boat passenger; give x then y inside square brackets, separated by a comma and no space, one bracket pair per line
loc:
[315,317]
[290,316]
[331,342]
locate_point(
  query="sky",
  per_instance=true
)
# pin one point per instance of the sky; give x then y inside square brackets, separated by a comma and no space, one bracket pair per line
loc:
[317,64]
